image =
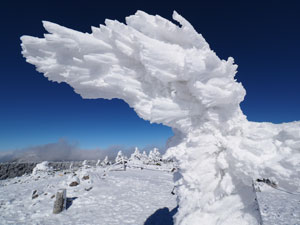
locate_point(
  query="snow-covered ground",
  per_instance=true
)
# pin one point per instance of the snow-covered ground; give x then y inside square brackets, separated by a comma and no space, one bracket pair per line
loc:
[279,207]
[119,197]
[135,196]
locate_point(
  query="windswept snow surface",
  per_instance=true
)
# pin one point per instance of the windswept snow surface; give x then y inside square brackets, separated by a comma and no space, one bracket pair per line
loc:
[118,198]
[279,207]
[168,74]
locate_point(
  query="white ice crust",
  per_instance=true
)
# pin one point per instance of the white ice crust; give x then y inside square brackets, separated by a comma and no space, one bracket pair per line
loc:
[168,74]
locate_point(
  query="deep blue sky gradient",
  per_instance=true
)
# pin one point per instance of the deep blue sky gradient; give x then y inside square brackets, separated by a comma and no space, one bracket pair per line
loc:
[262,36]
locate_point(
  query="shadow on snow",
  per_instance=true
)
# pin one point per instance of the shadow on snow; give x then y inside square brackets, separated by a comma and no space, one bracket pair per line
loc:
[70,202]
[162,217]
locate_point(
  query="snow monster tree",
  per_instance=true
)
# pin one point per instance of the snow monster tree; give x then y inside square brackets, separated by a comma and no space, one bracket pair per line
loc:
[168,74]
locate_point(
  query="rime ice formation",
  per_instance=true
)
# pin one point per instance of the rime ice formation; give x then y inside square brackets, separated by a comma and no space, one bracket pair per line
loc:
[168,74]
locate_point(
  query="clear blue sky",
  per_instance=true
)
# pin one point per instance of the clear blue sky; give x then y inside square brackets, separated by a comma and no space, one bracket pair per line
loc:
[262,36]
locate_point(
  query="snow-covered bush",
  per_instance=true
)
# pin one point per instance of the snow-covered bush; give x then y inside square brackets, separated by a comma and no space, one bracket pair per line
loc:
[41,168]
[168,74]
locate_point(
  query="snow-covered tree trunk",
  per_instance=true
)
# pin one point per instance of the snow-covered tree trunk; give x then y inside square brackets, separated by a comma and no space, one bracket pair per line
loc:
[209,191]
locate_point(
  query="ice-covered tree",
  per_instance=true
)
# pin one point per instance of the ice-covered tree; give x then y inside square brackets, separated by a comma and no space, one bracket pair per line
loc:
[154,156]
[157,155]
[119,158]
[105,161]
[98,163]
[144,157]
[151,157]
[136,155]
[84,163]
[168,74]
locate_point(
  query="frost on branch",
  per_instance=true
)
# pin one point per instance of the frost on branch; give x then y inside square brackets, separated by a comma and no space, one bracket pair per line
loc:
[168,74]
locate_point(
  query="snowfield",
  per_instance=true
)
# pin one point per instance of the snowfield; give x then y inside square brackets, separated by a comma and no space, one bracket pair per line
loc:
[119,197]
[279,207]
[112,196]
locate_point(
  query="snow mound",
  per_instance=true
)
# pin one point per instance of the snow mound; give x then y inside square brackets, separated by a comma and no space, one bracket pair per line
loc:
[168,74]
[41,168]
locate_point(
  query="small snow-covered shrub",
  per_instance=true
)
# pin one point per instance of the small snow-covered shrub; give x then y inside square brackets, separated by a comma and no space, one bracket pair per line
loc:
[41,168]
